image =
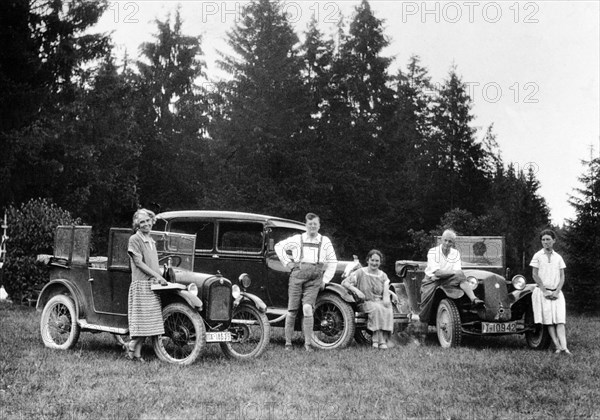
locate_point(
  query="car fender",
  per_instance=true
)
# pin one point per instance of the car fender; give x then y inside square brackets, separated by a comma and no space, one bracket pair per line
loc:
[59,286]
[339,290]
[190,298]
[517,295]
[256,301]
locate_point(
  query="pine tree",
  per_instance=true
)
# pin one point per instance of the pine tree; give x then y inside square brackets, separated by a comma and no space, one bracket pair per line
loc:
[261,114]
[460,178]
[174,113]
[583,242]
[46,46]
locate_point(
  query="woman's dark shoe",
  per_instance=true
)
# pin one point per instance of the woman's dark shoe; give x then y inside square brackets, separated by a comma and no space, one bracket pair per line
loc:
[128,352]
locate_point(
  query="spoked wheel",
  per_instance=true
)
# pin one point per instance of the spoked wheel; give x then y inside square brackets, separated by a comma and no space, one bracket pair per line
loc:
[334,322]
[539,338]
[363,336]
[58,326]
[184,336]
[448,324]
[250,333]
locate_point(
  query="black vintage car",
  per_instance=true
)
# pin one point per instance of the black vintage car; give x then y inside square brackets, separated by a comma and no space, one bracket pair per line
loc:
[241,247]
[507,305]
[91,294]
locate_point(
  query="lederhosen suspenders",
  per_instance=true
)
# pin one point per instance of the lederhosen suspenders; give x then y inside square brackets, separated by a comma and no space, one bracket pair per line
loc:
[310,245]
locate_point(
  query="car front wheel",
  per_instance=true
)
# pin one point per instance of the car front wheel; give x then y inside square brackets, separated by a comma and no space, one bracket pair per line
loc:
[250,333]
[448,324]
[334,322]
[184,336]
[538,338]
[58,326]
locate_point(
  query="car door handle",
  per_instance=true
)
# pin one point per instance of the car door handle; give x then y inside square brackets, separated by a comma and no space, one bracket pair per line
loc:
[215,256]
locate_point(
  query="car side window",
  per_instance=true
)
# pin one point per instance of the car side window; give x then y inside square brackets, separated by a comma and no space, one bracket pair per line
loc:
[204,231]
[240,237]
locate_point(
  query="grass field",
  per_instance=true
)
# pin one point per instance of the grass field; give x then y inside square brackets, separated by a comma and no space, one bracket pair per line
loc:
[495,378]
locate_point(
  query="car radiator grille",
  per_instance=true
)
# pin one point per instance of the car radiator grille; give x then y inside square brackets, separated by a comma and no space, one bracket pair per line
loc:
[219,302]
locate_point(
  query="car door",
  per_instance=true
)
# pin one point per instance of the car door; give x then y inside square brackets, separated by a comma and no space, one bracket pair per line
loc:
[110,285]
[240,249]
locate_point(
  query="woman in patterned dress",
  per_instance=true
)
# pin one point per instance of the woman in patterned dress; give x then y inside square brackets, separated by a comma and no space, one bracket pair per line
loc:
[373,286]
[144,309]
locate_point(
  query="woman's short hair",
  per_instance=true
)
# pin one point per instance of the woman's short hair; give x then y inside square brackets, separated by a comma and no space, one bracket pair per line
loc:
[548,232]
[141,213]
[375,252]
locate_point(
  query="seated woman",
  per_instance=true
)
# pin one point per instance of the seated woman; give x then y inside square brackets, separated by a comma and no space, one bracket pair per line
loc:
[373,286]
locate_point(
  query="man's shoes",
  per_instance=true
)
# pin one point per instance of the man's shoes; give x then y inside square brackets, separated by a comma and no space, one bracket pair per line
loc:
[308,349]
[567,352]
[288,347]
[383,347]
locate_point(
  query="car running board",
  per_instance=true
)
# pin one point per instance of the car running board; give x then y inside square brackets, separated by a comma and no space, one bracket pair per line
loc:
[84,324]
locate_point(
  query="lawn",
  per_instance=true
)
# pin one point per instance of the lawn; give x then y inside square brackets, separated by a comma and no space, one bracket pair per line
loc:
[493,378]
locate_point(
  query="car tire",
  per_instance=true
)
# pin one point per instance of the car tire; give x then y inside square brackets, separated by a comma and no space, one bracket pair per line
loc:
[448,324]
[58,325]
[334,322]
[539,338]
[184,337]
[250,333]
[363,336]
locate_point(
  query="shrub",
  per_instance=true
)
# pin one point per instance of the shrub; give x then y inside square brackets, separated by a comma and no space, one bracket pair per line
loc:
[30,232]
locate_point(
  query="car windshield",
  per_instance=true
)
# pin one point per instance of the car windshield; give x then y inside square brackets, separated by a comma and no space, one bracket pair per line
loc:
[480,251]
[177,246]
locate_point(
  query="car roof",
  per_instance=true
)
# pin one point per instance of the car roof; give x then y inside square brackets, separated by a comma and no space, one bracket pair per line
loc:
[229,215]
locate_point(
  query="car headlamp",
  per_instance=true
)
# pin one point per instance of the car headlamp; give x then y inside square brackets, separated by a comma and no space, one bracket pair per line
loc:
[519,282]
[235,291]
[473,282]
[193,289]
[245,280]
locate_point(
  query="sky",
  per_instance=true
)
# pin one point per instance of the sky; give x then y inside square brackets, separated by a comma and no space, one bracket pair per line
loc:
[531,67]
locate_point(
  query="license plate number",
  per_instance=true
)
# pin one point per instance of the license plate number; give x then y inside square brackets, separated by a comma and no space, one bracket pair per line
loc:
[498,327]
[218,337]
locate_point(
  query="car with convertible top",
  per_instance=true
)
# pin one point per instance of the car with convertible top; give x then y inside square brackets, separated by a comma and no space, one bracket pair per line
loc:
[91,294]
[507,305]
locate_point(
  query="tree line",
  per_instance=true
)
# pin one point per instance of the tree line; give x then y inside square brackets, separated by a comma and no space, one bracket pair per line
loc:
[304,122]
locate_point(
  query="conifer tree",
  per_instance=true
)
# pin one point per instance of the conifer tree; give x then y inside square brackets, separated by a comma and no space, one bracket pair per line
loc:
[173,111]
[261,114]
[582,239]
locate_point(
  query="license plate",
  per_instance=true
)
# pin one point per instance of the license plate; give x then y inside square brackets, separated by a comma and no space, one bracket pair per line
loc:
[498,327]
[218,337]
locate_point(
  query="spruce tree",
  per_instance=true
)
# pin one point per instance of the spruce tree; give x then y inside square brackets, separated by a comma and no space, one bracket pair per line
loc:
[583,242]
[173,112]
[261,115]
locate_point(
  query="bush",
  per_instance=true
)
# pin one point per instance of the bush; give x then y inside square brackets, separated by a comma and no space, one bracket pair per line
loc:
[30,232]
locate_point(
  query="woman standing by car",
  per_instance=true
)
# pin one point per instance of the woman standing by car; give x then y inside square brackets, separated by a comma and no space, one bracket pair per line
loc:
[373,286]
[548,301]
[144,307]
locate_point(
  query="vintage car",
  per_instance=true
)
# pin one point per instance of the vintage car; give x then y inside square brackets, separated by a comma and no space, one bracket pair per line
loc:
[241,247]
[91,294]
[507,305]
